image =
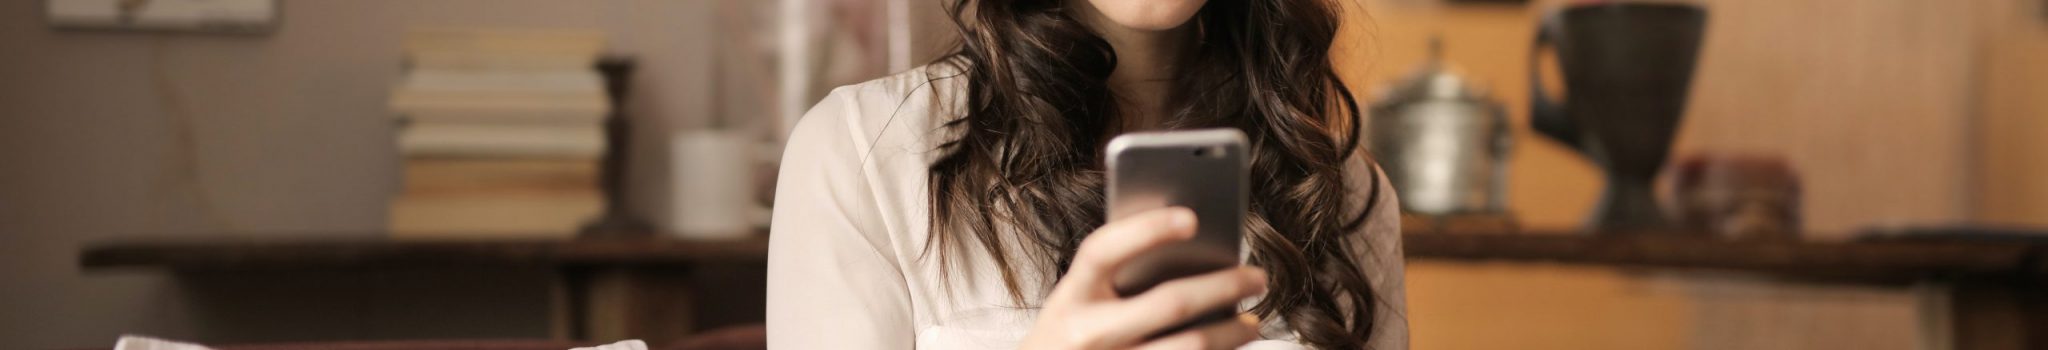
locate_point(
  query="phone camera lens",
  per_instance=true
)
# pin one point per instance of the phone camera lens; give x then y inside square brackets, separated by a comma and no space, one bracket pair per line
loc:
[1202,152]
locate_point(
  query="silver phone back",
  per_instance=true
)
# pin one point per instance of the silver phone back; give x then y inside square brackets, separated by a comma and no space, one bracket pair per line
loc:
[1203,170]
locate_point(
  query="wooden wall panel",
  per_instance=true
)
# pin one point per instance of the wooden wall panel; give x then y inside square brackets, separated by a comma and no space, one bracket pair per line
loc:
[2011,185]
[1871,100]
[1524,306]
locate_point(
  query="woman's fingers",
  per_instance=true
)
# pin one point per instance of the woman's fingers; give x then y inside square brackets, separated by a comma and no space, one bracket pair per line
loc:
[1217,336]
[1180,300]
[1119,241]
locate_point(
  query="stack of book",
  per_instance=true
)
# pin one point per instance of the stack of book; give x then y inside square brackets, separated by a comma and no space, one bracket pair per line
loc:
[502,132]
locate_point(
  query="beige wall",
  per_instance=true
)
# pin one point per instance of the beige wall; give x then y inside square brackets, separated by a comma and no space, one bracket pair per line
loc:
[108,135]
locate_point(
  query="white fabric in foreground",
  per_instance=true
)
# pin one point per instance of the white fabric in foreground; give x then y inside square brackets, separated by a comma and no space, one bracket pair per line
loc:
[137,342]
[634,344]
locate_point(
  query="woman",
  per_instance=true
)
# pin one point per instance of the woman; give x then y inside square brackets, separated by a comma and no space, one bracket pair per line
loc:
[960,205]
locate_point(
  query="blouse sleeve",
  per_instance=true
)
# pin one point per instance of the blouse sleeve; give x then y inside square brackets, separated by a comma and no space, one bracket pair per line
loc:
[1383,259]
[833,281]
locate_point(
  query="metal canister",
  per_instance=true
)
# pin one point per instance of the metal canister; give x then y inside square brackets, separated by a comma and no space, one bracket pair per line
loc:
[1443,144]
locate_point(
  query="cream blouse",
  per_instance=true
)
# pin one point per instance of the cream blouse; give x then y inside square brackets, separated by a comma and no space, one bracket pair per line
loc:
[845,262]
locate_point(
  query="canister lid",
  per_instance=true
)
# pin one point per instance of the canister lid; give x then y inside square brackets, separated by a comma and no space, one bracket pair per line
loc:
[1436,79]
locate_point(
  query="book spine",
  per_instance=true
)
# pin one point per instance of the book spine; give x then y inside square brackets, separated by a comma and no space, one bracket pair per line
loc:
[493,140]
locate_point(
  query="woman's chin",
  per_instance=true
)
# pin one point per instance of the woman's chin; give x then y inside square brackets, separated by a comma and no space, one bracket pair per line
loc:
[1160,25]
[1153,15]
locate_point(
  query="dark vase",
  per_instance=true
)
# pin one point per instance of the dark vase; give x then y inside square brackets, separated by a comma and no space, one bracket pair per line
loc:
[1627,68]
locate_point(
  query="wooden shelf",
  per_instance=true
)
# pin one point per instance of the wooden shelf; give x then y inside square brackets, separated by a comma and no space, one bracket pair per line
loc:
[1883,261]
[1887,261]
[237,253]
[1992,283]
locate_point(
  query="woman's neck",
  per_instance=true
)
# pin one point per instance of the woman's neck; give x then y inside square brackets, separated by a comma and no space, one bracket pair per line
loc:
[1145,61]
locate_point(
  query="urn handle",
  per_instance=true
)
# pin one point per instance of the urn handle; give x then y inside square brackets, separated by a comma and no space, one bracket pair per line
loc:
[1546,115]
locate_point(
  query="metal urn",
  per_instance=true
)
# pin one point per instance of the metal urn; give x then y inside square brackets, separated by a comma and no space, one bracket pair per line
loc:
[1626,68]
[1443,144]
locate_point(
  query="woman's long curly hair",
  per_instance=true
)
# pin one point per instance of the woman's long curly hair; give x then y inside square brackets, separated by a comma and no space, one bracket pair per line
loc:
[1025,172]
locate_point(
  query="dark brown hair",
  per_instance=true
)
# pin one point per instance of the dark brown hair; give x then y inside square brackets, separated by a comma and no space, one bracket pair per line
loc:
[1023,178]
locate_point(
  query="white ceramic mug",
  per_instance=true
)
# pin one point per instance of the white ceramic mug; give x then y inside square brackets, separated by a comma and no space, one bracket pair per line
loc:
[711,193]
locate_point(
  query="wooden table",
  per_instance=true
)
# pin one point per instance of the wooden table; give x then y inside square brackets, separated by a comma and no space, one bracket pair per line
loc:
[612,288]
[624,288]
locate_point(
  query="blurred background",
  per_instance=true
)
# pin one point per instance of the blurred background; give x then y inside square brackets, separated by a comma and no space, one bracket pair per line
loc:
[1820,173]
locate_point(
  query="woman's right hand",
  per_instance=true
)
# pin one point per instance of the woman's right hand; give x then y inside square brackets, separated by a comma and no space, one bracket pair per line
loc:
[1084,311]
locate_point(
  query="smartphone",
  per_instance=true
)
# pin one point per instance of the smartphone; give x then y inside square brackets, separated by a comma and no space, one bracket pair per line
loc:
[1203,170]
